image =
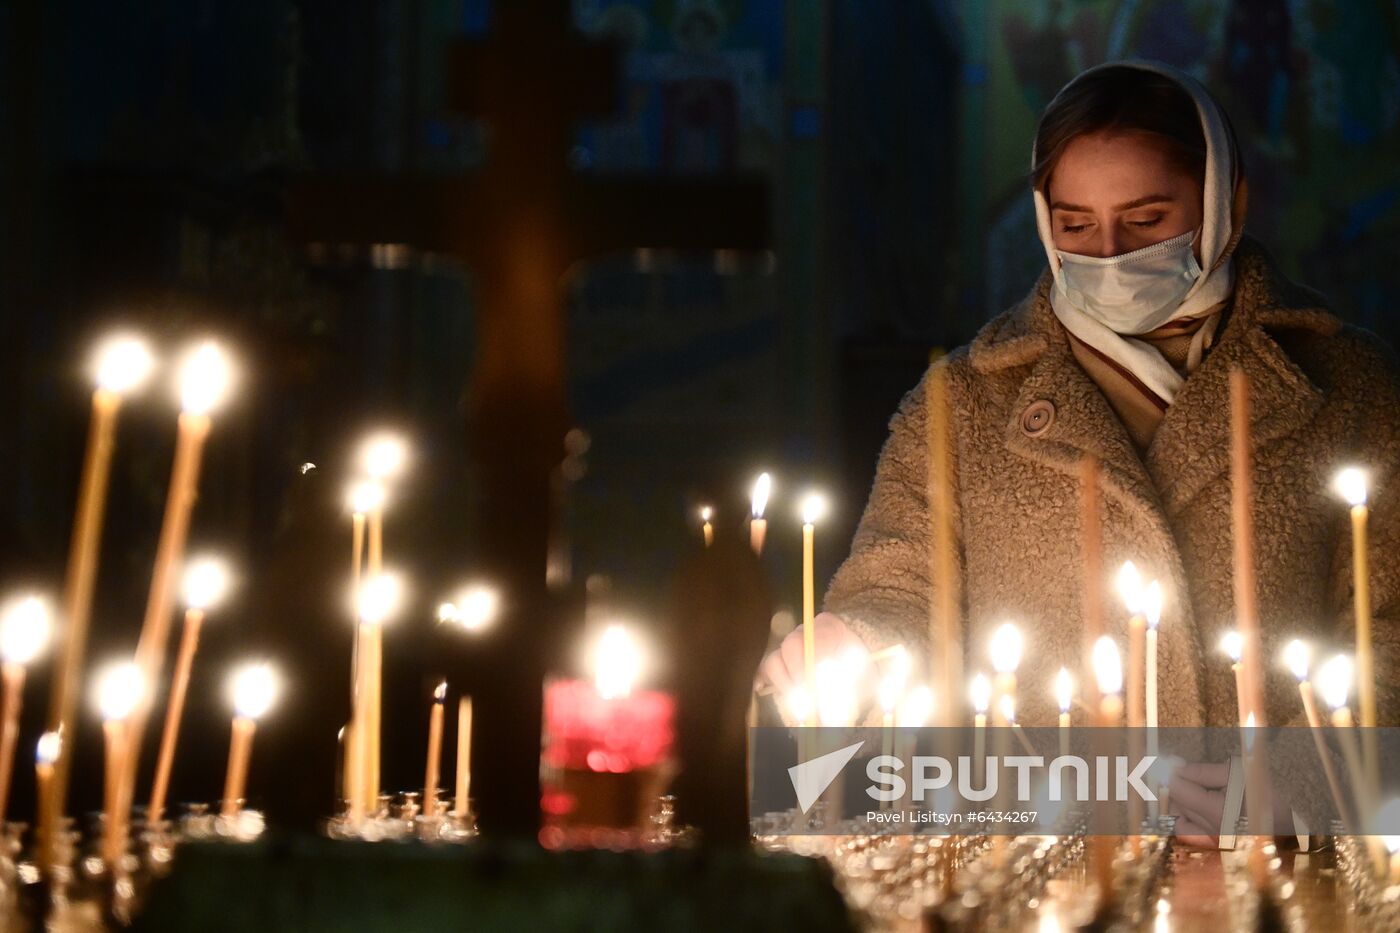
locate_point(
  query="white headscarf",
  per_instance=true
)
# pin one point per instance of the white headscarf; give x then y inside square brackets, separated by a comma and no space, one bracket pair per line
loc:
[1217,278]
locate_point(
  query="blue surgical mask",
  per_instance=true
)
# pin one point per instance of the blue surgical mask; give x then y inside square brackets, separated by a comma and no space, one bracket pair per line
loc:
[1132,293]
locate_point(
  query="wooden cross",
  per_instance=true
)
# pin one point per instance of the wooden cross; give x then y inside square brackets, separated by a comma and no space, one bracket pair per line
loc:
[520,223]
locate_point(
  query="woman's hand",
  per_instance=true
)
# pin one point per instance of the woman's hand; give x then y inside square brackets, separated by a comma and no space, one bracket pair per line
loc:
[784,667]
[1198,800]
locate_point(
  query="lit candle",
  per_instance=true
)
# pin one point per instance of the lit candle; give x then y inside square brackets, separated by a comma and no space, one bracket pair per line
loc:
[473,610]
[204,379]
[206,581]
[945,662]
[888,695]
[1130,587]
[464,754]
[837,689]
[1152,609]
[1232,644]
[707,530]
[1132,591]
[1334,680]
[1246,585]
[1297,656]
[916,707]
[1108,677]
[758,525]
[1006,648]
[365,497]
[49,747]
[1351,484]
[430,775]
[25,626]
[812,507]
[1064,695]
[1092,543]
[254,689]
[382,457]
[380,595]
[1008,715]
[119,692]
[980,693]
[617,663]
[123,364]
[913,711]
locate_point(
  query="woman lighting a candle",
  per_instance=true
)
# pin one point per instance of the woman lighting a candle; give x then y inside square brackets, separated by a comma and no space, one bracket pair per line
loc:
[1123,351]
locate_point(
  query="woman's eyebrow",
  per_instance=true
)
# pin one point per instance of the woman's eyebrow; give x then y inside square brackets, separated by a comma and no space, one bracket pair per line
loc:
[1126,206]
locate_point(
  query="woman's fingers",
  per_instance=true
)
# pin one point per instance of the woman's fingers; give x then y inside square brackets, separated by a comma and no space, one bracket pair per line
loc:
[785,668]
[774,676]
[1192,834]
[1190,797]
[1205,774]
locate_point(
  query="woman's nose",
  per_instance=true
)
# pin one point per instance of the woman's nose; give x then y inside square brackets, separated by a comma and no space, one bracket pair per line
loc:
[1108,241]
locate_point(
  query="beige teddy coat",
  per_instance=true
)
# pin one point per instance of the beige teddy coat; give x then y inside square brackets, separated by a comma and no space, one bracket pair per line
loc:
[1325,395]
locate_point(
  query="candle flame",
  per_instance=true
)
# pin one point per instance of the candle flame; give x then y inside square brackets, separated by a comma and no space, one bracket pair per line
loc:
[1130,588]
[1351,484]
[383,456]
[1334,681]
[25,626]
[837,704]
[379,598]
[1007,706]
[762,488]
[813,508]
[706,513]
[1152,599]
[1248,739]
[798,704]
[476,608]
[887,692]
[1064,689]
[119,688]
[123,364]
[1006,648]
[49,748]
[1108,665]
[440,693]
[899,663]
[366,496]
[1297,656]
[254,688]
[1232,643]
[617,664]
[1388,817]
[205,376]
[980,692]
[206,580]
[916,707]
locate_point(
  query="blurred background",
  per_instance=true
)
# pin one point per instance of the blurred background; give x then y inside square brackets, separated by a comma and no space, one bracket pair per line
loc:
[274,172]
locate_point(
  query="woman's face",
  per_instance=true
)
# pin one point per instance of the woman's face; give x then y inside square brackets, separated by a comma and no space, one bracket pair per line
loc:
[1112,193]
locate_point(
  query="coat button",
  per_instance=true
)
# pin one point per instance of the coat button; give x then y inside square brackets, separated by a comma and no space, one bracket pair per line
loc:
[1037,418]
